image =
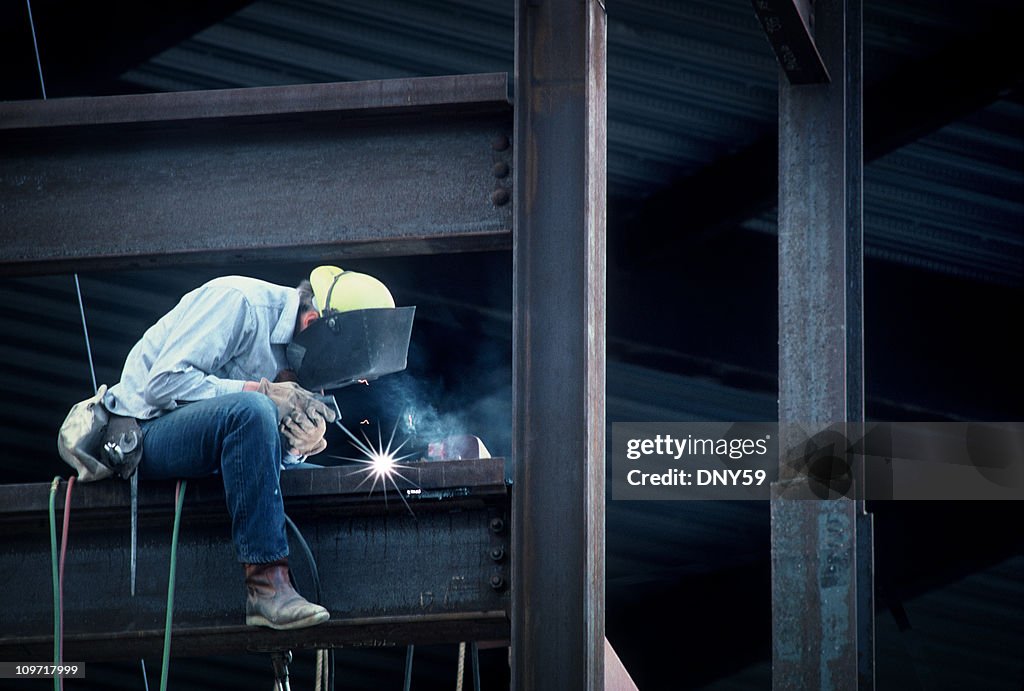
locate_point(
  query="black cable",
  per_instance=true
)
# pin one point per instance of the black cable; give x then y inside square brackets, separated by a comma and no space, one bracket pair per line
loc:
[309,558]
[475,657]
[330,670]
[316,585]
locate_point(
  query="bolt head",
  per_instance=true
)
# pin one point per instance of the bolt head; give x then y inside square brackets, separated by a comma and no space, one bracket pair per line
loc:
[500,196]
[500,142]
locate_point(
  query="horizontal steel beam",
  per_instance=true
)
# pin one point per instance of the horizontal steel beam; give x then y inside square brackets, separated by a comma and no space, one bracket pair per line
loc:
[387,167]
[788,26]
[459,93]
[433,572]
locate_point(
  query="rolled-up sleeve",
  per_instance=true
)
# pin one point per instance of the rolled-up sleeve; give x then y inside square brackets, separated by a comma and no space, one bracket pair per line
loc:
[212,329]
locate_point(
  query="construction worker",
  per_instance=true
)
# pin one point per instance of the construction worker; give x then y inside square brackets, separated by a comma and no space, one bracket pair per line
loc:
[205,385]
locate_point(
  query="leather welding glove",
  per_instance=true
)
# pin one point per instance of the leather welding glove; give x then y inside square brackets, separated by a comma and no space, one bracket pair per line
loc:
[289,397]
[305,432]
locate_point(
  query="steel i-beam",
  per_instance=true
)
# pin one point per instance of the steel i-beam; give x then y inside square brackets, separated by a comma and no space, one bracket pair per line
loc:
[402,166]
[789,26]
[821,570]
[559,346]
[388,576]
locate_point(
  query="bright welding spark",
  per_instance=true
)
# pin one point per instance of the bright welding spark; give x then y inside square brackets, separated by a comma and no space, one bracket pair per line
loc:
[383,464]
[381,461]
[364,382]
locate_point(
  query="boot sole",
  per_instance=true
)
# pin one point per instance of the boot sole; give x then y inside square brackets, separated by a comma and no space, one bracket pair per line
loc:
[312,620]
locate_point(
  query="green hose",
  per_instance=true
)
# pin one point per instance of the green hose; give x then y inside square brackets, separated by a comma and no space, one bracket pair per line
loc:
[170,585]
[56,586]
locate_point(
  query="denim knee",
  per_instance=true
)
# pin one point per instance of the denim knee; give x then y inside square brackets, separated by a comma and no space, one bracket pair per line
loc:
[253,411]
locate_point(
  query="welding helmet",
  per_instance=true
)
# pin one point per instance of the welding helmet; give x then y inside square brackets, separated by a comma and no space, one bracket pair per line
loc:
[360,334]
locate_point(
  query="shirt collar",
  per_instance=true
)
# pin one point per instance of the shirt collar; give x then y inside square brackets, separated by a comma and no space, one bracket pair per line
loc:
[284,330]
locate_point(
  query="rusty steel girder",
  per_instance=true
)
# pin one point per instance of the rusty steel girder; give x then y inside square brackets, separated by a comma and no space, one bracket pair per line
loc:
[402,166]
[389,576]
[558,339]
[822,559]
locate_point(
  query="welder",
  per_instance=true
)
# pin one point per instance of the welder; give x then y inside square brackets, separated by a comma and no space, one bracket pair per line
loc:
[215,388]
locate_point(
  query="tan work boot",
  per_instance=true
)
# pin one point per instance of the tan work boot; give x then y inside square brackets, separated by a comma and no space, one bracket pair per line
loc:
[273,602]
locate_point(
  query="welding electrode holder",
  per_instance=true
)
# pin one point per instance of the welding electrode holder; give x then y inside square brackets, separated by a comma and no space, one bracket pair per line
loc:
[331,403]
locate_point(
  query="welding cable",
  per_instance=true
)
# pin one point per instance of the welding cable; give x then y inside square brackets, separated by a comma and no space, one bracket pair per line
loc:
[329,655]
[179,499]
[56,584]
[63,553]
[309,558]
[474,656]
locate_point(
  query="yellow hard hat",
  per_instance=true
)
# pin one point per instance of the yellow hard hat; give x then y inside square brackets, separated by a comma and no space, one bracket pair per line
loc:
[337,290]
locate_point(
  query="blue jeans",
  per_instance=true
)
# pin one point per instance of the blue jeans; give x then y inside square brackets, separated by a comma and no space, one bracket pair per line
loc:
[237,435]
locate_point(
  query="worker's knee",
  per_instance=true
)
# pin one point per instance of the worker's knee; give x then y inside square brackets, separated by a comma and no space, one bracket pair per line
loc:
[252,412]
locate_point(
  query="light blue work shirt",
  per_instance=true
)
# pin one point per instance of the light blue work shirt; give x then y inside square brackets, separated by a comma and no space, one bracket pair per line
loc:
[224,333]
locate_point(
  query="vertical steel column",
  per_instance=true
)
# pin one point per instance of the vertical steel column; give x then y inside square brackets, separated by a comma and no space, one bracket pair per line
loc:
[865,528]
[821,620]
[559,346]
